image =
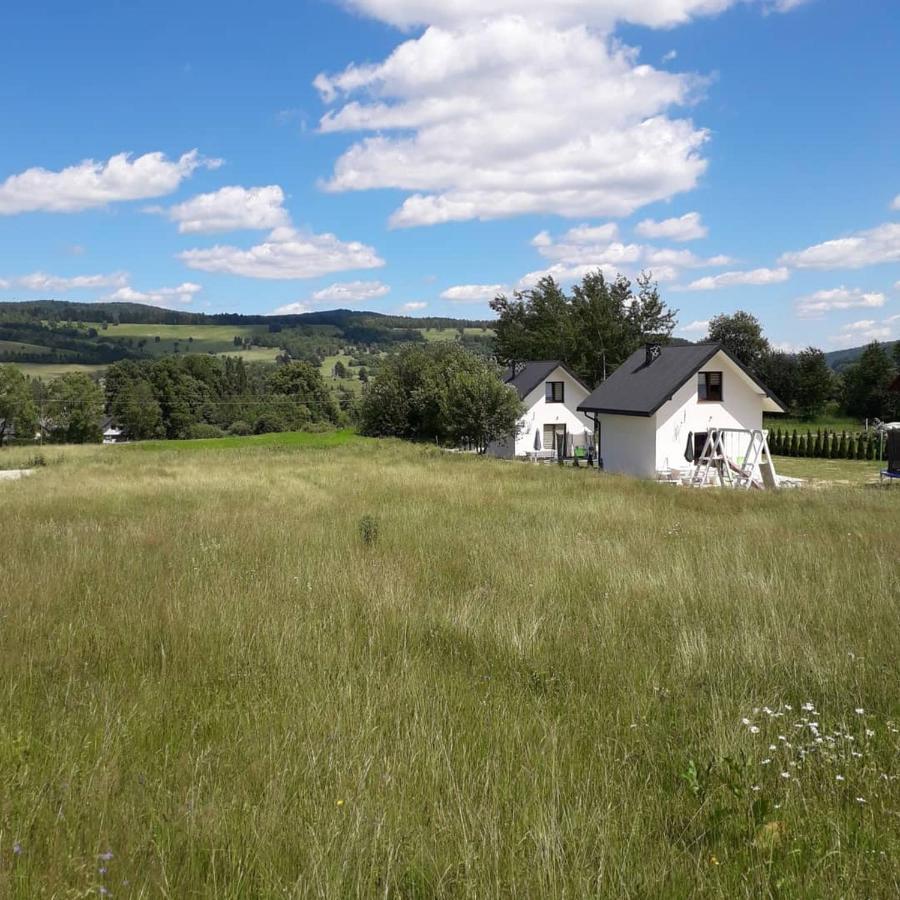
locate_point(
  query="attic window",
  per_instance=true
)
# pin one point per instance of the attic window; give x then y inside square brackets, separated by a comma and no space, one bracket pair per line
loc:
[556,392]
[709,387]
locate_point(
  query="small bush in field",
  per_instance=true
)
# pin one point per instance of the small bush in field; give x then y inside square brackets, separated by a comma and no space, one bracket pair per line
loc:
[368,530]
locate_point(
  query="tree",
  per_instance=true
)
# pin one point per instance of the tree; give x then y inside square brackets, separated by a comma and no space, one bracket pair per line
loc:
[778,371]
[814,383]
[593,331]
[303,384]
[339,370]
[137,410]
[17,411]
[438,392]
[76,408]
[866,394]
[479,408]
[741,334]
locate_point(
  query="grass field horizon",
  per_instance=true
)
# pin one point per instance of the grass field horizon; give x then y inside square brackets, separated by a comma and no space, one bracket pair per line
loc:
[333,666]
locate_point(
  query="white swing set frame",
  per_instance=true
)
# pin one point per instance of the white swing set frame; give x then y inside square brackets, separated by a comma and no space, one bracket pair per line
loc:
[715,458]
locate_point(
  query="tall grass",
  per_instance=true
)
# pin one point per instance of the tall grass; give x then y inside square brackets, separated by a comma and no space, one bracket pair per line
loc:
[391,672]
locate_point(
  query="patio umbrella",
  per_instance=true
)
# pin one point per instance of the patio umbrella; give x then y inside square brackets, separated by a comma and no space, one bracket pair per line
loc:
[537,439]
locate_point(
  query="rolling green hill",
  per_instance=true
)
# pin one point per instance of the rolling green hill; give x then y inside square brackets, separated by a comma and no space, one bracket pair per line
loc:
[47,336]
[840,359]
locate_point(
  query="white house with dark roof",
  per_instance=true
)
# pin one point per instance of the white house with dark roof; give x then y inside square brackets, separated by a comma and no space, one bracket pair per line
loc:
[651,411]
[551,394]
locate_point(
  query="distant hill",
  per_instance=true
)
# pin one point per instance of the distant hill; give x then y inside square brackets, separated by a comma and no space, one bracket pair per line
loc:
[55,332]
[840,359]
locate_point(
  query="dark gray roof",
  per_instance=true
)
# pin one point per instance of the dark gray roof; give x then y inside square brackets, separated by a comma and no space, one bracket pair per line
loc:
[639,389]
[532,373]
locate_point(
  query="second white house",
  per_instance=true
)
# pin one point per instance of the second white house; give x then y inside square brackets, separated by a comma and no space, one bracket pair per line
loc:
[551,394]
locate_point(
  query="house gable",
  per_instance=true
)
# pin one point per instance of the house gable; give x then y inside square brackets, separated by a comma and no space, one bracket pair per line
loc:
[640,387]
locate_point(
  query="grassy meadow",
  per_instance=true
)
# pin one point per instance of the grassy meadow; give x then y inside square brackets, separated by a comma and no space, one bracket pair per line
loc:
[333,667]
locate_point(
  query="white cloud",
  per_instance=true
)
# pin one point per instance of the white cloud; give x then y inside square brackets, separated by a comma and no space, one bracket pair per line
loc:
[701,326]
[786,346]
[733,279]
[671,56]
[564,274]
[473,293]
[865,331]
[351,292]
[688,227]
[4,284]
[293,309]
[414,306]
[182,295]
[41,282]
[92,184]
[231,209]
[817,304]
[585,249]
[864,248]
[896,203]
[286,254]
[601,13]
[506,117]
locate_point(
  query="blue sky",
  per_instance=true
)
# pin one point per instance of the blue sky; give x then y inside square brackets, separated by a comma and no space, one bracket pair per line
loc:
[416,156]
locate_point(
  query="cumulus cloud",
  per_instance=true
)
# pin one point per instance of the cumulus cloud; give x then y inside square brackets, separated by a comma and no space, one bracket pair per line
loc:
[91,184]
[231,209]
[507,117]
[287,254]
[817,304]
[688,227]
[599,13]
[863,248]
[865,331]
[473,293]
[293,309]
[896,203]
[41,282]
[700,326]
[182,295]
[734,279]
[586,249]
[351,292]
[414,306]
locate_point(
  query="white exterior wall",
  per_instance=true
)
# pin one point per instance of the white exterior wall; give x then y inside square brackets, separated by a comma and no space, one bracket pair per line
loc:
[540,413]
[628,444]
[741,407]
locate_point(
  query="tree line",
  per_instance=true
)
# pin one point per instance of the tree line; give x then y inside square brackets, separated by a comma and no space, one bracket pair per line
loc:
[173,397]
[804,382]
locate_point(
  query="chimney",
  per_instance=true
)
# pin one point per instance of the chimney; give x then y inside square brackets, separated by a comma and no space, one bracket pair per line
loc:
[652,352]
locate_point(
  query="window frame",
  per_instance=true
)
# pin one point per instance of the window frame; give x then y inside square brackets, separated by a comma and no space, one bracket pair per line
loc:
[703,387]
[550,392]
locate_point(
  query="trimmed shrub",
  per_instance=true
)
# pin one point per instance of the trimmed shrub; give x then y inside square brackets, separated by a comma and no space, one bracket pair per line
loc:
[203,430]
[240,428]
[269,423]
[795,443]
[842,446]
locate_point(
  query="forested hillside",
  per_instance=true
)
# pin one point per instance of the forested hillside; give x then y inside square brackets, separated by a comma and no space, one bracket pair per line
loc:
[58,332]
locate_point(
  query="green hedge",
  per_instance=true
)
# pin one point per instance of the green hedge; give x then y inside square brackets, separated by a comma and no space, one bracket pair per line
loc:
[825,444]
